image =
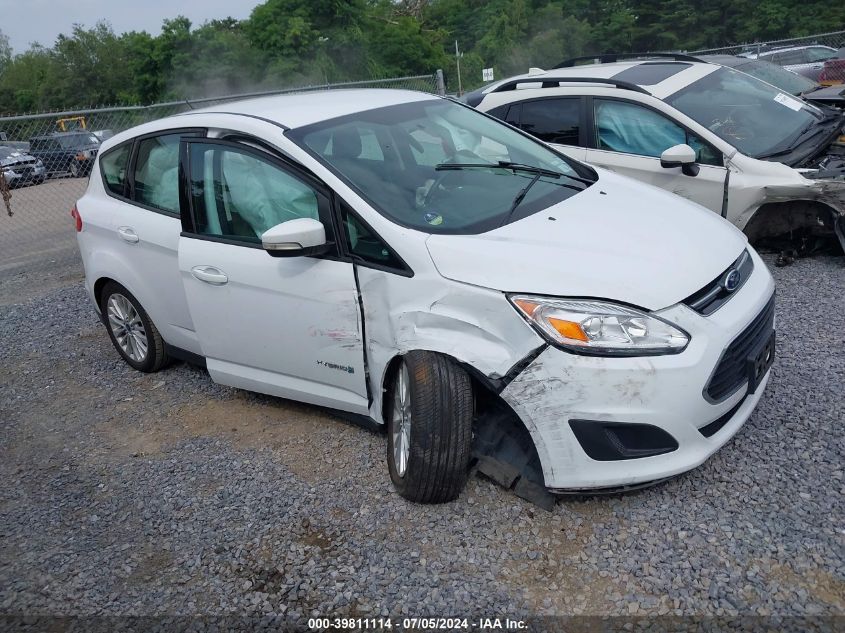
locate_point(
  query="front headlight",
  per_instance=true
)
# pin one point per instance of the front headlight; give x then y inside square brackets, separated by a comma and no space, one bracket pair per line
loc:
[39,163]
[600,327]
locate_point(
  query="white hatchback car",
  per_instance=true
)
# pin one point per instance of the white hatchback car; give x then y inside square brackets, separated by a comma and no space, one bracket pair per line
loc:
[413,262]
[771,163]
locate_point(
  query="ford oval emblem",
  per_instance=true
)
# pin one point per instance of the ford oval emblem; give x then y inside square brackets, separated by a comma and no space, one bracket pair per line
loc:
[731,281]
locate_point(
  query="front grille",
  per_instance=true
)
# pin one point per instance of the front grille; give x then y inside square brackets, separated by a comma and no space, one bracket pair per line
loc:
[714,295]
[731,371]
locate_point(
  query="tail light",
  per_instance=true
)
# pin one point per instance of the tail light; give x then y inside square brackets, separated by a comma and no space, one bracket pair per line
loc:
[74,213]
[833,71]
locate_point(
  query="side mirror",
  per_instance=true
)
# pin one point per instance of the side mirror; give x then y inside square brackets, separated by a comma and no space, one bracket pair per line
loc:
[682,156]
[295,238]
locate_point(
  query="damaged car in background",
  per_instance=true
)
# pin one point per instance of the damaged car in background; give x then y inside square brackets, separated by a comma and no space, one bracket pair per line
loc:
[19,168]
[421,266]
[771,163]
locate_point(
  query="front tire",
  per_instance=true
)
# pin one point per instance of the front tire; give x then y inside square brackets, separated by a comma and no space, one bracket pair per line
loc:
[429,428]
[75,169]
[132,332]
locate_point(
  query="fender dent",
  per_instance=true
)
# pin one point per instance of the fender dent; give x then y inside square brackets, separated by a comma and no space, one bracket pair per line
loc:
[475,326]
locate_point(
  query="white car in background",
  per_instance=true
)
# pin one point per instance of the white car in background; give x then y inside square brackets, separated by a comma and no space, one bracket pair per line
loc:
[414,263]
[771,163]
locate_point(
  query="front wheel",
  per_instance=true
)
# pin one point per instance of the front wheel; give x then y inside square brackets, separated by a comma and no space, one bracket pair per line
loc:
[131,330]
[429,428]
[75,169]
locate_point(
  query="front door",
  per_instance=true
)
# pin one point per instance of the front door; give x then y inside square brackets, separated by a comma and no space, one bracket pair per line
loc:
[289,327]
[629,139]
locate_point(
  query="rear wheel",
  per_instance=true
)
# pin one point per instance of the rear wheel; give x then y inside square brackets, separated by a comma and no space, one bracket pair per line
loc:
[131,330]
[429,428]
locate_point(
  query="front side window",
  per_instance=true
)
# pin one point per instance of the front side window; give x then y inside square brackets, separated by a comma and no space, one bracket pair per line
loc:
[157,172]
[439,166]
[552,120]
[633,129]
[239,195]
[753,116]
[113,164]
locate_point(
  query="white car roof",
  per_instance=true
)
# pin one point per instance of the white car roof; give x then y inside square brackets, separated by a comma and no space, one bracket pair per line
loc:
[298,110]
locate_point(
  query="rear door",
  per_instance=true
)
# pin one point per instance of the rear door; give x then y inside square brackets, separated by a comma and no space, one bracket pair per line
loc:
[144,223]
[289,327]
[629,138]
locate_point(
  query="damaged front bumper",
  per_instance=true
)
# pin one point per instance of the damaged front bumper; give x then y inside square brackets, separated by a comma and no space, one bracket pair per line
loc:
[828,176]
[600,422]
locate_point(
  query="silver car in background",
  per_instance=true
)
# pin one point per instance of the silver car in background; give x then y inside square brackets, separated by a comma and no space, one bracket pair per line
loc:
[804,60]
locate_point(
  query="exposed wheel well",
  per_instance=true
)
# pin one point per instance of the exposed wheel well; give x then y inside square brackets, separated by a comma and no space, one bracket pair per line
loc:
[499,436]
[775,219]
[98,288]
[485,396]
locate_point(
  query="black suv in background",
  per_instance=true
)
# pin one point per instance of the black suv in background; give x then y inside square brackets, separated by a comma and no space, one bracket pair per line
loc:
[72,152]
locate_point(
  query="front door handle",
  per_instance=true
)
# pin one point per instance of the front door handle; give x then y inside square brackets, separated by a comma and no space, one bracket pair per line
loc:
[127,234]
[210,275]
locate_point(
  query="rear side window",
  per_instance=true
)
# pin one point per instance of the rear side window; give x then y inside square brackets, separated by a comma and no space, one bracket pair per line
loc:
[786,58]
[113,165]
[157,173]
[551,120]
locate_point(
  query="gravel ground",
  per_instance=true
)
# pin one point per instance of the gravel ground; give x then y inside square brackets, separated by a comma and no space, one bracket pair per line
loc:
[132,494]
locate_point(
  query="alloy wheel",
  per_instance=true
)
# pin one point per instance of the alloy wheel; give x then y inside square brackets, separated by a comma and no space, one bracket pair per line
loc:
[401,421]
[127,327]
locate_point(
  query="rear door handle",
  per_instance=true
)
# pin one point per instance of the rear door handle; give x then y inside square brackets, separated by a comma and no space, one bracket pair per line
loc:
[127,234]
[210,275]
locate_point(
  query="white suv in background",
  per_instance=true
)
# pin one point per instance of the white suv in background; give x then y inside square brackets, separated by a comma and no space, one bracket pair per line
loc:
[771,163]
[414,263]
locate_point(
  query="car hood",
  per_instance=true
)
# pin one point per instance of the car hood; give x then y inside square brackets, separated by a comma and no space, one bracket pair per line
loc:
[619,239]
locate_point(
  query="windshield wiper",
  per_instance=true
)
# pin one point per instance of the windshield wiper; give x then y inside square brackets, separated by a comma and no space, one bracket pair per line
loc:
[505,164]
[801,138]
[519,198]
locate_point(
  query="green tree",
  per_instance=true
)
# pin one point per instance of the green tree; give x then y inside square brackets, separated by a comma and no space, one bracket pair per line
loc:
[5,51]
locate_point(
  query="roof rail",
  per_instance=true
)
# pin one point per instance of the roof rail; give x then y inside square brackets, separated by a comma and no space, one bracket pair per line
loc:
[609,58]
[552,82]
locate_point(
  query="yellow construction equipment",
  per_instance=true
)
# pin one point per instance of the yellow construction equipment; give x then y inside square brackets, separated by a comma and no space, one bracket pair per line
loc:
[70,124]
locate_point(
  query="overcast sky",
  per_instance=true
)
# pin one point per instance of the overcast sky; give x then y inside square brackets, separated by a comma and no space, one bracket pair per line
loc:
[27,21]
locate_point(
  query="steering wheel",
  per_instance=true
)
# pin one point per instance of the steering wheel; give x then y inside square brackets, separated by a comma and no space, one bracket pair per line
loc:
[441,181]
[730,127]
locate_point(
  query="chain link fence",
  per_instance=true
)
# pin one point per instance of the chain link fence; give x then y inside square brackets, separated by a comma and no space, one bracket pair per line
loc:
[45,159]
[834,39]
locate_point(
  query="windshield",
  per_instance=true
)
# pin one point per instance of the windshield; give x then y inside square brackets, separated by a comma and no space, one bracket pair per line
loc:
[778,76]
[434,166]
[8,152]
[77,140]
[756,118]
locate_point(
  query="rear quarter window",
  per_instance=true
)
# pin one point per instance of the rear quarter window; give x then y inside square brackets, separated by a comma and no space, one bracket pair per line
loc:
[113,166]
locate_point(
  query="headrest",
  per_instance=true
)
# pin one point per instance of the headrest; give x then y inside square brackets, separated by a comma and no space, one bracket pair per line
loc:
[163,157]
[346,143]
